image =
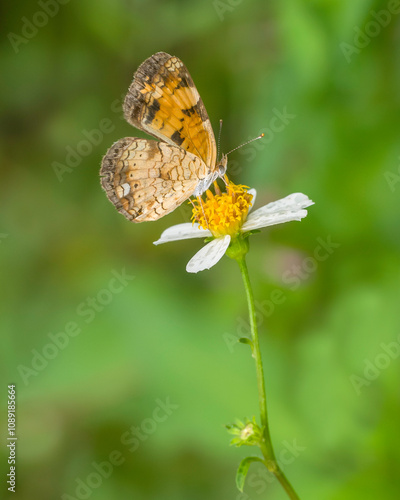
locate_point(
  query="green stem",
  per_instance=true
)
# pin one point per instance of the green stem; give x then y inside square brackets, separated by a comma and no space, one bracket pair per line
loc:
[266,446]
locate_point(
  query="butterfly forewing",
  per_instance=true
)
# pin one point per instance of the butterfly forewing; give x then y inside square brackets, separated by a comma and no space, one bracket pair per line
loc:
[163,101]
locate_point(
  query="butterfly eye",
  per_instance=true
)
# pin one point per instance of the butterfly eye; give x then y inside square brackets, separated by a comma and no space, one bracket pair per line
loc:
[222,166]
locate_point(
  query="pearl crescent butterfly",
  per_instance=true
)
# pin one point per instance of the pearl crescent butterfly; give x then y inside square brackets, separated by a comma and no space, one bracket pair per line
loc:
[147,179]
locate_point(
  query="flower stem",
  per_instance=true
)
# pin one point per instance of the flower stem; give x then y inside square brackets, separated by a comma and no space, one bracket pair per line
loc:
[266,445]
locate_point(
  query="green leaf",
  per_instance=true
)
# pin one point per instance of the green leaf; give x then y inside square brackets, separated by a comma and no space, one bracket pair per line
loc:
[243,469]
[246,340]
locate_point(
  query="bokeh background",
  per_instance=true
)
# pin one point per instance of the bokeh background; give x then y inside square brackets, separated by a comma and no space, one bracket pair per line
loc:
[330,341]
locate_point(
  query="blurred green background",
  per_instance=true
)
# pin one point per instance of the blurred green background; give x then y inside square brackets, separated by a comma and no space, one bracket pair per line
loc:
[331,344]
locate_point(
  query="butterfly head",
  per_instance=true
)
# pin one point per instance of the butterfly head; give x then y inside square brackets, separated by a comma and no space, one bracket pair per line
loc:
[221,166]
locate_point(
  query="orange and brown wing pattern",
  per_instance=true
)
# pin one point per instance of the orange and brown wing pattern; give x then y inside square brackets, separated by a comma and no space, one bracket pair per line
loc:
[146,180]
[164,102]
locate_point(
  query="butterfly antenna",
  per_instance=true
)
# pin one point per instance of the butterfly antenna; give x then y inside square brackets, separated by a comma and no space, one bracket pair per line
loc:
[219,138]
[245,143]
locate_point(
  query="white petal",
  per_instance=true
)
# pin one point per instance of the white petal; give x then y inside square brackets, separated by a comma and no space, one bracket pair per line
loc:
[182,232]
[254,193]
[209,255]
[284,210]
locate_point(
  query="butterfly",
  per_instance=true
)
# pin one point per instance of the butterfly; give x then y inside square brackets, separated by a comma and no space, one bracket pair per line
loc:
[147,179]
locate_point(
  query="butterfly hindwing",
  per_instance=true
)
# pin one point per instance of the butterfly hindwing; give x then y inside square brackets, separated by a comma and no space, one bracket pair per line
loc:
[164,102]
[147,179]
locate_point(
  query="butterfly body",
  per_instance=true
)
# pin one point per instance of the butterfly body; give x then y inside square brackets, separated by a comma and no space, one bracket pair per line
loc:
[147,179]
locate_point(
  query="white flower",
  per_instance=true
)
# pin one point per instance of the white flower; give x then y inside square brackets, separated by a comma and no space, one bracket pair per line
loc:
[287,209]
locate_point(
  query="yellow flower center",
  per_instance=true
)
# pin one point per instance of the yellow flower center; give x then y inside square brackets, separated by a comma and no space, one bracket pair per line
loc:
[223,213]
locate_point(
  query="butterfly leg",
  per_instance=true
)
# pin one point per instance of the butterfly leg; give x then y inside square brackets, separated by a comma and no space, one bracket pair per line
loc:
[193,205]
[225,180]
[202,208]
[216,188]
[200,201]
[195,208]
